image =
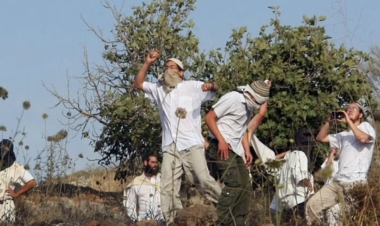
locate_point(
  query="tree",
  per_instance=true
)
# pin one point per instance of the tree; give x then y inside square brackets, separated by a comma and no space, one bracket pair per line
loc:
[372,68]
[311,76]
[130,122]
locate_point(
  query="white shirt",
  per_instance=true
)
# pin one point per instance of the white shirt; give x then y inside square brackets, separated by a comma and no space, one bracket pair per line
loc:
[146,198]
[355,157]
[11,176]
[335,166]
[294,170]
[188,95]
[233,118]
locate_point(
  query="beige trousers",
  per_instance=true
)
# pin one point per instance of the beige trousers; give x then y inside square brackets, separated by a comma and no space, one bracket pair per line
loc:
[193,163]
[329,195]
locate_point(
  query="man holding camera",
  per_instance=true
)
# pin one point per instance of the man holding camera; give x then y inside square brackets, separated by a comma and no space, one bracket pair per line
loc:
[356,149]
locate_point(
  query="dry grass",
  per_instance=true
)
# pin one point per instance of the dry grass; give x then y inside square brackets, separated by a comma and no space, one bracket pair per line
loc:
[75,205]
[93,197]
[100,179]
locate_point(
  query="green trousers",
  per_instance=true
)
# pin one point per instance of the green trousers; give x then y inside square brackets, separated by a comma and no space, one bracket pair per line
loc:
[232,207]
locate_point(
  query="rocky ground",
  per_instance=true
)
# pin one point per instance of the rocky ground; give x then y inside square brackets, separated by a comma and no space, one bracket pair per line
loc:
[72,205]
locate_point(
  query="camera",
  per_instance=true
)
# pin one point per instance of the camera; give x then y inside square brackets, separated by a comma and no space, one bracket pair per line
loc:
[337,115]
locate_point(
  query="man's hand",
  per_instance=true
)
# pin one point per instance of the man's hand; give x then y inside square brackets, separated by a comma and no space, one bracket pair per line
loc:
[269,83]
[223,149]
[248,158]
[11,192]
[345,119]
[152,56]
[306,183]
[207,86]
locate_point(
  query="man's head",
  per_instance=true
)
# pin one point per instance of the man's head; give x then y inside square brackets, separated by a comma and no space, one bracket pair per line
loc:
[175,65]
[257,92]
[150,164]
[355,112]
[7,155]
[304,139]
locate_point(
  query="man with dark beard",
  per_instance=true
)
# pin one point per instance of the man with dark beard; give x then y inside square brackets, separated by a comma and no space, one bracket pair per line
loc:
[143,193]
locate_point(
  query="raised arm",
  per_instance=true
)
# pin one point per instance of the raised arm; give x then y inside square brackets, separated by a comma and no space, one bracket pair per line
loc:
[140,77]
[359,135]
[256,120]
[324,132]
[210,86]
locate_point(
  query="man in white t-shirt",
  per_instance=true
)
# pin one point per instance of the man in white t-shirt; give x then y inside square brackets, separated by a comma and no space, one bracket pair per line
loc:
[143,193]
[11,173]
[228,121]
[295,182]
[179,104]
[356,149]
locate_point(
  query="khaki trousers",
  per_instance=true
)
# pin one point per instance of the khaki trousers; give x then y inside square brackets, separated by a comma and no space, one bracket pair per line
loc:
[193,163]
[232,208]
[329,195]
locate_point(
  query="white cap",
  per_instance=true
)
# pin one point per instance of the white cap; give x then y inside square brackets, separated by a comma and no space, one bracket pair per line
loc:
[178,62]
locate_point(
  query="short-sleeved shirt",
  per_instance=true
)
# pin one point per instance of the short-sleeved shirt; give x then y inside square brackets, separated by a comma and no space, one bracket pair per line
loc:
[290,192]
[355,156]
[232,119]
[187,94]
[11,176]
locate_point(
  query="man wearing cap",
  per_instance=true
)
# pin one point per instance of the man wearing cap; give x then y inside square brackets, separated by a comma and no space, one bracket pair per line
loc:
[228,122]
[182,141]
[356,149]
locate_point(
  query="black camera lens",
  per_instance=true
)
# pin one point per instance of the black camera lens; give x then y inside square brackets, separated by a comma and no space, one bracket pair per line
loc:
[337,115]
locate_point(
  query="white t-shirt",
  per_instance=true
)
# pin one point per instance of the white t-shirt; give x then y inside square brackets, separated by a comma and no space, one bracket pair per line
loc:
[233,117]
[355,157]
[11,176]
[146,198]
[188,95]
[335,166]
[290,193]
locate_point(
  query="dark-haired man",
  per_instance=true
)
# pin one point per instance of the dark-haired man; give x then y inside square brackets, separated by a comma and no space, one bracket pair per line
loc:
[143,193]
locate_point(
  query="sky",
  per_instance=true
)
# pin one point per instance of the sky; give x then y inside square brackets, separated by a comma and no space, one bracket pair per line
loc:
[42,42]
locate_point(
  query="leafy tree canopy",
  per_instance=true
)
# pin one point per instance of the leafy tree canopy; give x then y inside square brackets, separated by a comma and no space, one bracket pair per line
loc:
[311,76]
